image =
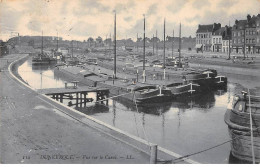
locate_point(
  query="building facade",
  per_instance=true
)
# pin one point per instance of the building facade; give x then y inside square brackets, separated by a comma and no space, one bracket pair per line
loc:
[227,40]
[238,36]
[257,45]
[217,40]
[245,35]
[250,34]
[204,36]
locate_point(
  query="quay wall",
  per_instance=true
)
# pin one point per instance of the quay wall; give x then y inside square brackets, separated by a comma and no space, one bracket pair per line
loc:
[122,136]
[16,65]
[228,69]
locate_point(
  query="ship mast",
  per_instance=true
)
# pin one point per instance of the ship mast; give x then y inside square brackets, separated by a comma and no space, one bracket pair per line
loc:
[164,49]
[144,79]
[156,45]
[42,46]
[57,40]
[137,43]
[172,42]
[115,47]
[153,44]
[180,47]
[72,48]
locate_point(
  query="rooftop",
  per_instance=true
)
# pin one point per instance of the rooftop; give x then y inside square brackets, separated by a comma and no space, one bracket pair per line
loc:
[220,31]
[205,28]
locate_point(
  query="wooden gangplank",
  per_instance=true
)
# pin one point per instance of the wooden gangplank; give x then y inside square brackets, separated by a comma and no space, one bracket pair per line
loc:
[50,91]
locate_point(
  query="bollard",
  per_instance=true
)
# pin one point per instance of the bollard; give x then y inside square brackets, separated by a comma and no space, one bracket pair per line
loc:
[153,154]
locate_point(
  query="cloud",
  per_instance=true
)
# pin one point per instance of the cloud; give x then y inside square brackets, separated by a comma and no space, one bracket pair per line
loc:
[130,18]
[34,25]
[195,18]
[152,9]
[227,4]
[95,17]
[201,3]
[176,6]
[9,18]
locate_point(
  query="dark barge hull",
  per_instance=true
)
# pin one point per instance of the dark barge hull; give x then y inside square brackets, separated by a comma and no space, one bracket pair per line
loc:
[185,90]
[240,133]
[154,99]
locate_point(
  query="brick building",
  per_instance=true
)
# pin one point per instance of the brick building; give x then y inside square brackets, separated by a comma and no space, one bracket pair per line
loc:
[226,39]
[238,36]
[257,45]
[244,35]
[217,40]
[250,34]
[204,36]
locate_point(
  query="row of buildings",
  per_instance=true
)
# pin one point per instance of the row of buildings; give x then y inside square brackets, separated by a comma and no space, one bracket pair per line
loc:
[244,35]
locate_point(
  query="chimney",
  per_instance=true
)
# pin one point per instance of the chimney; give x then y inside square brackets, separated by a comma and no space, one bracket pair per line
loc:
[226,30]
[248,17]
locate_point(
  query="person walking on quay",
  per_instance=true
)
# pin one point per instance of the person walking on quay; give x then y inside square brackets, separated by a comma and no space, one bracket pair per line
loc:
[154,76]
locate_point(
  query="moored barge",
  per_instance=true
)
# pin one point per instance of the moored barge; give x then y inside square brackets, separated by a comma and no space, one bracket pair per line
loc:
[238,120]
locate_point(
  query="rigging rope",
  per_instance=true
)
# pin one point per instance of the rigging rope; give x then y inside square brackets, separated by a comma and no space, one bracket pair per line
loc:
[142,124]
[188,155]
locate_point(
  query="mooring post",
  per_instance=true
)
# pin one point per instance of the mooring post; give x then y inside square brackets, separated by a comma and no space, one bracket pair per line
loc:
[61,98]
[153,154]
[85,99]
[77,99]
[81,100]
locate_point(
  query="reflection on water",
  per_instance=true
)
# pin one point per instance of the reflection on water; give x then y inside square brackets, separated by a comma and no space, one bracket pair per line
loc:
[185,125]
[39,76]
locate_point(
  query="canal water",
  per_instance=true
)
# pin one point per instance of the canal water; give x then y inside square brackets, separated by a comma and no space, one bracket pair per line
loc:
[182,126]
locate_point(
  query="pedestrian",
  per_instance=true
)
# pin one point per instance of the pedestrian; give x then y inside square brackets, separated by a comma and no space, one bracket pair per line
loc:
[154,76]
[184,80]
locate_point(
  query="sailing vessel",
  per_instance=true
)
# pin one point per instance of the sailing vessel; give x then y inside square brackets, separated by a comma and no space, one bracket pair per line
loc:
[244,145]
[42,58]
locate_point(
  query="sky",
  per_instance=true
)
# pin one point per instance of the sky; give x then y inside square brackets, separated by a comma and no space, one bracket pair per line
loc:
[81,19]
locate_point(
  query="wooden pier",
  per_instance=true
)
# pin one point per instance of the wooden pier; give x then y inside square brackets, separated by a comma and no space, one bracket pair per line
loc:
[78,94]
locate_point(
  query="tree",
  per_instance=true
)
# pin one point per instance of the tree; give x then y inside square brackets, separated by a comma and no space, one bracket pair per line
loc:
[99,40]
[90,39]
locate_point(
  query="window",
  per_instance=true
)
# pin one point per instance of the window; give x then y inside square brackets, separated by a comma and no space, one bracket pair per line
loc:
[246,40]
[253,40]
[213,40]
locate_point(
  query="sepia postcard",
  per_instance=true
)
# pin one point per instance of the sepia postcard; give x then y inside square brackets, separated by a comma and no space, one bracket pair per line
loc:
[129,82]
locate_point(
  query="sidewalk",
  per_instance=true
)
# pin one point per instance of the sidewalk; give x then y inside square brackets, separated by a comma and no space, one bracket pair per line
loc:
[34,131]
